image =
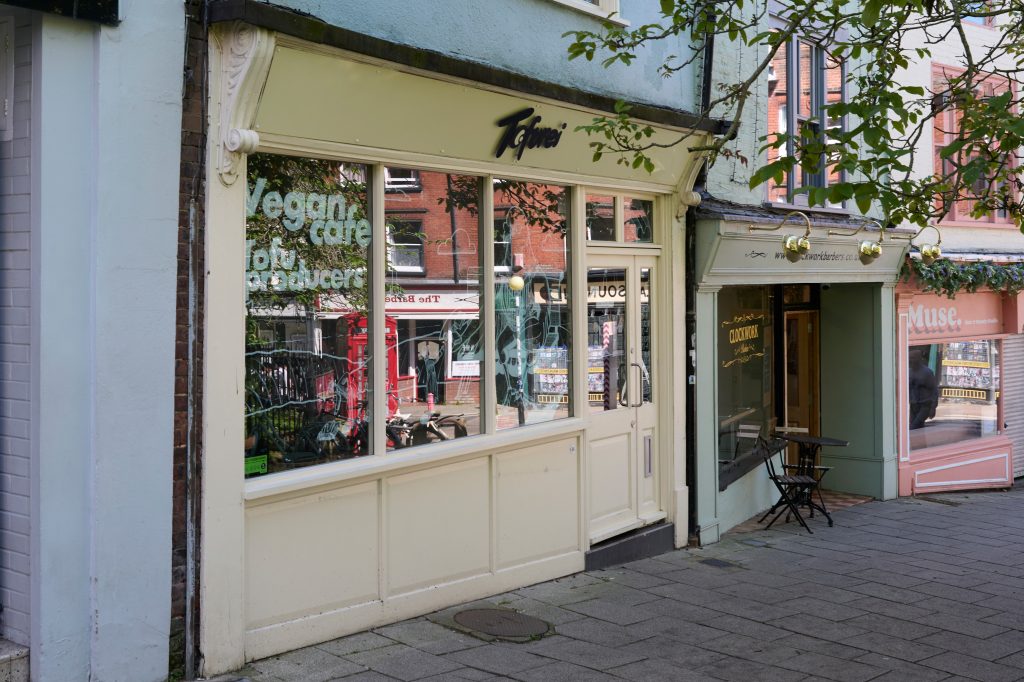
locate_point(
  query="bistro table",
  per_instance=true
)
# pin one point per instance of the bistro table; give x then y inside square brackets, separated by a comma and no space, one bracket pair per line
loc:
[809,448]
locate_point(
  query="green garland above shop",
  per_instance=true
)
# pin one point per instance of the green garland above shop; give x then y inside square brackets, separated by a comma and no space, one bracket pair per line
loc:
[948,278]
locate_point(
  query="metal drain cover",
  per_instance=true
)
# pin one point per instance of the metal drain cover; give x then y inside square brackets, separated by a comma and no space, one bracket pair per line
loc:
[501,623]
[717,563]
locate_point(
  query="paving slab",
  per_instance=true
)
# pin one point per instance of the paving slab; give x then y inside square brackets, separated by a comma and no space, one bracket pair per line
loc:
[910,590]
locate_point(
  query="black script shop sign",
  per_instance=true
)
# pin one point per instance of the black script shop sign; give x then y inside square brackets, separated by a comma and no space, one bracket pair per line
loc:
[521,132]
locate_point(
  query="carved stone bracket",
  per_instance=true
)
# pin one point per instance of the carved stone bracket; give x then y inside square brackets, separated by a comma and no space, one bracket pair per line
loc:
[246,54]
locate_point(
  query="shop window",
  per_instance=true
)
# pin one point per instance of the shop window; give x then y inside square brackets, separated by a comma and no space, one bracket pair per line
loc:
[954,392]
[532,310]
[433,295]
[405,246]
[612,218]
[802,79]
[600,218]
[638,220]
[746,391]
[307,339]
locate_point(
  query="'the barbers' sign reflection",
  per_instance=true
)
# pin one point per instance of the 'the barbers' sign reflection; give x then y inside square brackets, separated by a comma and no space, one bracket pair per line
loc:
[521,132]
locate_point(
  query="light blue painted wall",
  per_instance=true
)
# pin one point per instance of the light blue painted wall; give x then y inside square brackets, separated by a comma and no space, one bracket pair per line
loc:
[106,121]
[524,36]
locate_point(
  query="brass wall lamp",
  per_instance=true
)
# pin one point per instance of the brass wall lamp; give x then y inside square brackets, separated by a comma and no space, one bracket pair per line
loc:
[867,250]
[794,247]
[929,252]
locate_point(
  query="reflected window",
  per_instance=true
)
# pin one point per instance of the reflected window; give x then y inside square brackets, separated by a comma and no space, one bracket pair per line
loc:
[953,391]
[402,180]
[405,246]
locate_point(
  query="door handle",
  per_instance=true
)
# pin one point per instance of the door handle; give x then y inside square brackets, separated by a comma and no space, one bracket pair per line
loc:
[640,383]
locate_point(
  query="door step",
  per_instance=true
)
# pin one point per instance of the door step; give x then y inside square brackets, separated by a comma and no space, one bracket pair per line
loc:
[637,544]
[13,661]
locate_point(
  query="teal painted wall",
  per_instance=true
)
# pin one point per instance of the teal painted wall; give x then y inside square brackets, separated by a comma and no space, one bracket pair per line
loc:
[524,37]
[857,387]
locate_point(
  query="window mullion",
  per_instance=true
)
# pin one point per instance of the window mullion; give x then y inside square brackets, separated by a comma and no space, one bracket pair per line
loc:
[377,372]
[485,242]
[792,107]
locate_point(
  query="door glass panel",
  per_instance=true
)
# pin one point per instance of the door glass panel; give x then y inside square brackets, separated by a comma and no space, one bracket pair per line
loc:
[606,338]
[646,337]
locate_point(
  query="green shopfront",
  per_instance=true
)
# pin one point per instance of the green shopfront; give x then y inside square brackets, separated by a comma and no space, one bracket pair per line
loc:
[787,340]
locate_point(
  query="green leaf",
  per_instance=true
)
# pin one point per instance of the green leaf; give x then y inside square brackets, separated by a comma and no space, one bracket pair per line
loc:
[863,203]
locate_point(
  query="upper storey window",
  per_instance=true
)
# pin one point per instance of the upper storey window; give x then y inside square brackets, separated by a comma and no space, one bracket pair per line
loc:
[947,129]
[802,79]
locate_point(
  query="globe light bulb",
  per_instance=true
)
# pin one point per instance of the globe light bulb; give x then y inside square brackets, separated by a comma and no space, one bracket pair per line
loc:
[516,283]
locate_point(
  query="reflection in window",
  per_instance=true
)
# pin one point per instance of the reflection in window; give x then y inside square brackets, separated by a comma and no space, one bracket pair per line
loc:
[405,246]
[638,220]
[600,218]
[433,301]
[953,392]
[306,273]
[745,377]
[532,311]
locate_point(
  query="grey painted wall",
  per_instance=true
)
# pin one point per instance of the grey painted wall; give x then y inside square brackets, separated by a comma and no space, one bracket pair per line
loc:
[524,37]
[15,365]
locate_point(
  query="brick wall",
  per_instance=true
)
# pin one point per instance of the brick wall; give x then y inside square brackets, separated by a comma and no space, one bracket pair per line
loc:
[15,263]
[188,325]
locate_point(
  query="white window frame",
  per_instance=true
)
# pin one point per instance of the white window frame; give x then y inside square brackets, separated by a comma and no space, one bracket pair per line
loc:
[402,183]
[597,8]
[392,245]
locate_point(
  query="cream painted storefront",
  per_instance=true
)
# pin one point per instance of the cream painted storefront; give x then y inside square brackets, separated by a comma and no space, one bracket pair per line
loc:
[309,553]
[805,344]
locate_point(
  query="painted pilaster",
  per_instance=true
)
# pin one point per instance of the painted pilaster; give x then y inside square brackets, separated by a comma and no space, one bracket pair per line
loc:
[240,57]
[887,420]
[903,301]
[706,394]
[62,383]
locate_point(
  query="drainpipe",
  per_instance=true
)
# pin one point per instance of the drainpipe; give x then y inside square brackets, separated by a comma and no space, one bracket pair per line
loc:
[690,268]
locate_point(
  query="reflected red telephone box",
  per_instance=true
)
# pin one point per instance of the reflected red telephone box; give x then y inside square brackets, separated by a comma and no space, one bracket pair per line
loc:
[354,341]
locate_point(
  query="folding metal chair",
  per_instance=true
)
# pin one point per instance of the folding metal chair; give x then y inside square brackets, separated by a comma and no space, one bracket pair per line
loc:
[792,487]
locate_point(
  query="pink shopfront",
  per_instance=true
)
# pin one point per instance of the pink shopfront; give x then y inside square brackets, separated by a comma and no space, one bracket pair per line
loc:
[950,390]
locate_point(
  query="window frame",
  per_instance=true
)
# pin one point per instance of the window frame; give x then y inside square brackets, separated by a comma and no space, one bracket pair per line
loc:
[956,216]
[817,117]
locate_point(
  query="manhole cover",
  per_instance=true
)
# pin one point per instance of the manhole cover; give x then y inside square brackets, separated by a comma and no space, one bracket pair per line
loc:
[717,563]
[501,623]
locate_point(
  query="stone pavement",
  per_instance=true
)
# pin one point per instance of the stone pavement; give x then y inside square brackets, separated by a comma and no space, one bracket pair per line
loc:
[923,589]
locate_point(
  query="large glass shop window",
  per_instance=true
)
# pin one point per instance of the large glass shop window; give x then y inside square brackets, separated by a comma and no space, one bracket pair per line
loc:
[953,391]
[307,349]
[532,309]
[745,378]
[432,307]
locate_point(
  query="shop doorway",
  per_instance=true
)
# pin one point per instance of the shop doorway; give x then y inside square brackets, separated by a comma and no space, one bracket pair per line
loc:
[801,360]
[623,385]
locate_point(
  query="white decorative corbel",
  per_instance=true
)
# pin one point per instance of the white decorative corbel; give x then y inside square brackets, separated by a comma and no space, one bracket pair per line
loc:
[246,53]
